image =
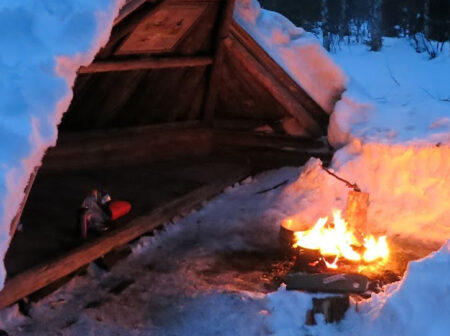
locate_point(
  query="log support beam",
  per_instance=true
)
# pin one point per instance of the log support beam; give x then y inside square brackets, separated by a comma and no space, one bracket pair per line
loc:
[213,88]
[150,63]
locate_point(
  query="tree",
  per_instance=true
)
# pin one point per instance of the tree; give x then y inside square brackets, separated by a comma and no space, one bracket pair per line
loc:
[375,21]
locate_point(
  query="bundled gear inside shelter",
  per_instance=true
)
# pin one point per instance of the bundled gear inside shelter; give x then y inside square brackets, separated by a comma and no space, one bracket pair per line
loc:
[97,209]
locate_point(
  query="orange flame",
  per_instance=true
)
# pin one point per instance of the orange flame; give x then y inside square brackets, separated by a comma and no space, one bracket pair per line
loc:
[338,241]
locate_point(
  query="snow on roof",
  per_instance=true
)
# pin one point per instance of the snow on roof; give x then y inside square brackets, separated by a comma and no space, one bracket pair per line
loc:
[43,44]
[299,53]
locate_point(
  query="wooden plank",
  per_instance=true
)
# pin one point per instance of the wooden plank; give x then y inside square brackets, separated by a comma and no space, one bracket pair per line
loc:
[40,276]
[279,73]
[268,80]
[242,97]
[128,146]
[16,219]
[135,98]
[242,139]
[150,63]
[201,38]
[162,29]
[213,87]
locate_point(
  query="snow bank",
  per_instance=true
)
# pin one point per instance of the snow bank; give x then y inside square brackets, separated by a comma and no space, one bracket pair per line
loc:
[43,44]
[298,52]
[411,202]
[395,96]
[418,305]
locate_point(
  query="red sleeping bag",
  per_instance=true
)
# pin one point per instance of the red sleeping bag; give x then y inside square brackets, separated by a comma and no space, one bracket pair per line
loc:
[119,209]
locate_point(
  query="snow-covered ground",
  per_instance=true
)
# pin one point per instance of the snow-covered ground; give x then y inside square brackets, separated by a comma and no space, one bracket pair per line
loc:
[206,274]
[392,126]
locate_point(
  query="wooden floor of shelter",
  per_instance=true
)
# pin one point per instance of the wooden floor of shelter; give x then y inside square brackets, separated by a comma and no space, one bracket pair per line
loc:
[49,218]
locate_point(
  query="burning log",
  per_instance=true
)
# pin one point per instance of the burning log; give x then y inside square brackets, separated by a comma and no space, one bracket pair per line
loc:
[356,210]
[328,282]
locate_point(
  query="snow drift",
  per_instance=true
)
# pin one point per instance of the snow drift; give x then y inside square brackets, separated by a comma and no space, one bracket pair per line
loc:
[44,43]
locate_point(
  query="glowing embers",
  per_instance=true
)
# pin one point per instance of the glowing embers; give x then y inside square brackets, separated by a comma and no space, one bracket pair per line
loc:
[337,241]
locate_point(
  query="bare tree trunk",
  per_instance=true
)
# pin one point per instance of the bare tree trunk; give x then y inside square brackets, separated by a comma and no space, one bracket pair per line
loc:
[325,26]
[343,26]
[375,20]
[426,18]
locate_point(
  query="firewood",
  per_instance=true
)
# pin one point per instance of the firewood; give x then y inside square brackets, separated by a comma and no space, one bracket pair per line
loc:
[328,282]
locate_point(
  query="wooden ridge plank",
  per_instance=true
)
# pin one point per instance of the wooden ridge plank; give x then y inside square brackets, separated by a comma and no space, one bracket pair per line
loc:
[40,276]
[149,63]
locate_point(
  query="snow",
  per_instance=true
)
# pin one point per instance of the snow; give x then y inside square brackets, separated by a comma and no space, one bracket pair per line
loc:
[43,44]
[299,53]
[393,124]
[393,97]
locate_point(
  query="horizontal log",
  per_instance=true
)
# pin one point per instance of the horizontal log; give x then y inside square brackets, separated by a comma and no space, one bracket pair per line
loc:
[40,276]
[268,141]
[99,149]
[150,63]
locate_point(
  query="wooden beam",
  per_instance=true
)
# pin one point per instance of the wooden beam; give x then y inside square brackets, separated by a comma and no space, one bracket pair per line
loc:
[40,276]
[279,73]
[150,63]
[212,88]
[16,220]
[115,148]
[240,139]
[270,82]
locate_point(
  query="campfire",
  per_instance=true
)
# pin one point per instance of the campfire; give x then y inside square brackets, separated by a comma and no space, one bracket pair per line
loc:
[337,242]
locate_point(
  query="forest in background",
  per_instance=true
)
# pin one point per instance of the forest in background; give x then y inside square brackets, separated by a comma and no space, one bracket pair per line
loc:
[426,22]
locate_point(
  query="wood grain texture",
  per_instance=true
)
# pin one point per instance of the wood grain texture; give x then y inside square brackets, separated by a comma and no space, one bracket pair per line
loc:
[135,97]
[161,30]
[213,80]
[246,63]
[242,96]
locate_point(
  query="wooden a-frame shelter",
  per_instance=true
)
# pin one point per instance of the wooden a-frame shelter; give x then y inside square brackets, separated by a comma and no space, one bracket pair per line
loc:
[170,105]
